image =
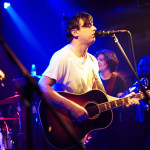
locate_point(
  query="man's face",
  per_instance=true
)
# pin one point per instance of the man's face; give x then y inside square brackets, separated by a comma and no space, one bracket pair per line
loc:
[102,63]
[86,33]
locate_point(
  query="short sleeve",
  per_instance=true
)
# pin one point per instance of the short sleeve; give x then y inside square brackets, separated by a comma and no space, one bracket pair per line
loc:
[55,68]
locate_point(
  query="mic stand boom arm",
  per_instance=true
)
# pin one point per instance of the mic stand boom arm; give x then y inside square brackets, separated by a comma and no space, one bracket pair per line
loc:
[126,58]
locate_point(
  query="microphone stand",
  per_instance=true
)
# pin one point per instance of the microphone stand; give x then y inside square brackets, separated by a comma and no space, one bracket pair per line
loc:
[126,58]
[20,134]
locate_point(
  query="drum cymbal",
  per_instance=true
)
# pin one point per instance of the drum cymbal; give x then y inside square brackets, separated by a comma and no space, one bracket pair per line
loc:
[9,100]
[3,119]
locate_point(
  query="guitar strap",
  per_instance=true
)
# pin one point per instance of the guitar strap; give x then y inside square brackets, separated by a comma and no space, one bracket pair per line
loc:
[98,84]
[97,79]
[111,83]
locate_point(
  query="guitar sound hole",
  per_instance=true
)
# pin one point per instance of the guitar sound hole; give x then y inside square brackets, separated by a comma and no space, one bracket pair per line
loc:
[93,110]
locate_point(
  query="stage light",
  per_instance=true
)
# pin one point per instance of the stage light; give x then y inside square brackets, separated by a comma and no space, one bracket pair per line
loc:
[6,5]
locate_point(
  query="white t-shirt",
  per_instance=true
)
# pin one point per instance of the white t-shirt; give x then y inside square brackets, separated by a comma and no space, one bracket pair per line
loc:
[72,74]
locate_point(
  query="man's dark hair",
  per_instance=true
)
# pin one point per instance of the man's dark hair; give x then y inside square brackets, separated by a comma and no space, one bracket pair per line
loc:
[110,58]
[72,22]
[143,68]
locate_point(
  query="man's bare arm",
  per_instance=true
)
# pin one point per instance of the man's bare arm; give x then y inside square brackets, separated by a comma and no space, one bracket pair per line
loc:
[54,98]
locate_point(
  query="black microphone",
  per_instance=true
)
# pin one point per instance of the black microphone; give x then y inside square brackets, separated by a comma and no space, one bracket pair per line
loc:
[105,33]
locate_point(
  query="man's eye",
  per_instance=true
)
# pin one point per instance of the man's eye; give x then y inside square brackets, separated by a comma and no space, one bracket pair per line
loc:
[87,25]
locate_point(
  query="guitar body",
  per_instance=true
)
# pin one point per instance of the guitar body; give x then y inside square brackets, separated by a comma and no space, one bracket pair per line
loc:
[57,135]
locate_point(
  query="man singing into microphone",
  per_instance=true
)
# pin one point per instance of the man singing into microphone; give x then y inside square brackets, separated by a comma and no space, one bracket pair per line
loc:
[72,69]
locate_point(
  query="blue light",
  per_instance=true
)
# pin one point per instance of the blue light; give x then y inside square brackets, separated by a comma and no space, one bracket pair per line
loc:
[118,9]
[6,5]
[24,30]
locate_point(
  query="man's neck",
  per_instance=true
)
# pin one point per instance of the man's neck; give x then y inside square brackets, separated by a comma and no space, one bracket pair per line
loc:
[105,75]
[78,49]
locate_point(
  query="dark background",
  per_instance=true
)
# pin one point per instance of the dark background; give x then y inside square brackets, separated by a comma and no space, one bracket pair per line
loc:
[32,29]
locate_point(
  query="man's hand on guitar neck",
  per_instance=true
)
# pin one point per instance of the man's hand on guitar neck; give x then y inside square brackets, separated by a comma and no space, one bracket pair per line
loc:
[132,100]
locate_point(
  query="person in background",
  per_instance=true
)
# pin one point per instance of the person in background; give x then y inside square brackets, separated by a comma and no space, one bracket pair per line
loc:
[142,113]
[72,69]
[114,84]
[143,71]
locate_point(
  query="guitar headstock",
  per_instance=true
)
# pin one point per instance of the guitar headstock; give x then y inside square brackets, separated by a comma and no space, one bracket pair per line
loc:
[141,95]
[136,87]
[144,82]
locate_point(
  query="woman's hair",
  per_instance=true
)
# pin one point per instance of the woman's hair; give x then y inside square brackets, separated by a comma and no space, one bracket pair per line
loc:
[72,22]
[110,58]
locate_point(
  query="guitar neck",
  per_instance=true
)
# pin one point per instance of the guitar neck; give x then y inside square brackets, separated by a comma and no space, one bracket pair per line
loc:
[135,87]
[118,103]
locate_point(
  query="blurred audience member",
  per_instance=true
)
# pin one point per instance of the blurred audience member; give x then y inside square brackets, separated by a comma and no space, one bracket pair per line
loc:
[114,84]
[143,70]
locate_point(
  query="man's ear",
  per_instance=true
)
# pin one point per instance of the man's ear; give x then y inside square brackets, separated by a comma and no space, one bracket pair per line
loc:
[74,32]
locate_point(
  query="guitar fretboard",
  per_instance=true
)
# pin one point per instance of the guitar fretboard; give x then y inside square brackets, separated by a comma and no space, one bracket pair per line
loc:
[118,103]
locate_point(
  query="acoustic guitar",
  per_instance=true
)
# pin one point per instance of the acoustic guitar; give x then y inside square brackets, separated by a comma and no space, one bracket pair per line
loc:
[100,116]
